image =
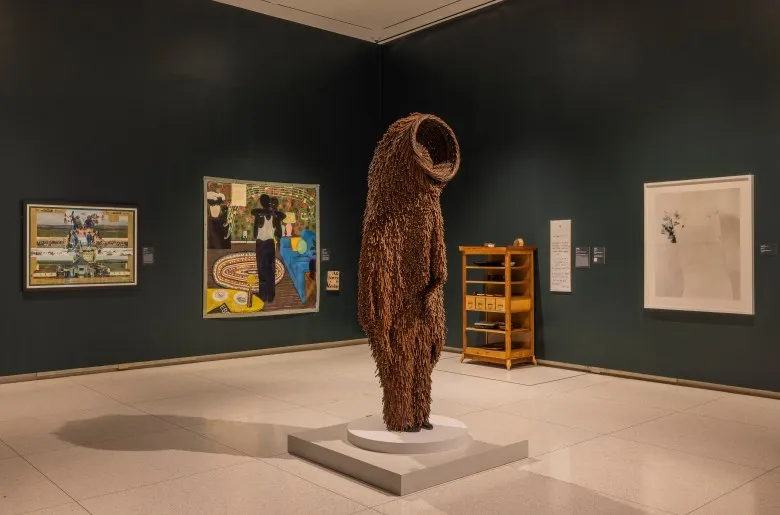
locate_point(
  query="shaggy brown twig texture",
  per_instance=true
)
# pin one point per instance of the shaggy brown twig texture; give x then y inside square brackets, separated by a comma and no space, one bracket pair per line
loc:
[403,263]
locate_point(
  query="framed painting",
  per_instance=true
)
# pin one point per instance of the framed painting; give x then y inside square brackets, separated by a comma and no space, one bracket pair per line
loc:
[699,245]
[71,246]
[260,248]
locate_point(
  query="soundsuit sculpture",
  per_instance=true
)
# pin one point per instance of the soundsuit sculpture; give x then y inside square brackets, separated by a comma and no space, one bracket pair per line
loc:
[403,263]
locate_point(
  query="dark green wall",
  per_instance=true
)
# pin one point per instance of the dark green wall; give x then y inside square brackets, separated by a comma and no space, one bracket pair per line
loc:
[563,109]
[136,102]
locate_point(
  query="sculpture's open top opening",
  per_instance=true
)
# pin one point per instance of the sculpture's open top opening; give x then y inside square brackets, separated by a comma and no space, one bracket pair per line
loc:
[436,148]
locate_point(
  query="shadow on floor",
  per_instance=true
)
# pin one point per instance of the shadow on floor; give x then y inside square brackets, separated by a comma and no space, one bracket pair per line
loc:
[265,440]
[248,438]
[546,495]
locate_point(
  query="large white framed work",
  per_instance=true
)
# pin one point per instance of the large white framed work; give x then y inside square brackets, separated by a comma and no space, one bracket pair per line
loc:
[699,245]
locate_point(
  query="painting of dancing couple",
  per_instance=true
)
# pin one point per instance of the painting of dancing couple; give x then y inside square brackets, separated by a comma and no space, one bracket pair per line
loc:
[261,252]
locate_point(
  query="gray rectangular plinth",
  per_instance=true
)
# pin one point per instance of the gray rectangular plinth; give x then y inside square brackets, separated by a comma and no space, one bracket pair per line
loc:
[398,473]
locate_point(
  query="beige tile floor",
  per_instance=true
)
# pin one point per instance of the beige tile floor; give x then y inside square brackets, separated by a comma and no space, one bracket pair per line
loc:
[210,438]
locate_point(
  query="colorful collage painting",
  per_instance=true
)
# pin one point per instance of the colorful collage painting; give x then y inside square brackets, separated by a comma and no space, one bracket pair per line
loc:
[261,252]
[78,246]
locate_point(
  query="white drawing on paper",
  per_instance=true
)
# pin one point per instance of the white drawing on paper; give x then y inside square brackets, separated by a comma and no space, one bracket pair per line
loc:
[697,245]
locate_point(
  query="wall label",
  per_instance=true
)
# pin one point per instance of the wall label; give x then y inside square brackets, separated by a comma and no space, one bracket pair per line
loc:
[148,253]
[334,278]
[768,249]
[581,257]
[599,255]
[325,255]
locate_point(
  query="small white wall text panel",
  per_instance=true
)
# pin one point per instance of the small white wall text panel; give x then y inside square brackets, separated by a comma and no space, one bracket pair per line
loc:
[560,256]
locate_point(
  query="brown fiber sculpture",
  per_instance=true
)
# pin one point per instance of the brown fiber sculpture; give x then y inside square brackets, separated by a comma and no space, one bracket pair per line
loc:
[403,264]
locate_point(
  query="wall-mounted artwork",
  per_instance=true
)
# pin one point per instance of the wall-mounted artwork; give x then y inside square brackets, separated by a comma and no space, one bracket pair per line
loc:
[699,245]
[79,246]
[261,252]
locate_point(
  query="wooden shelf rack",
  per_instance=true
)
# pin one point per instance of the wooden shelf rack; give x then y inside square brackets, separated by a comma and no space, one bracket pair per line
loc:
[505,295]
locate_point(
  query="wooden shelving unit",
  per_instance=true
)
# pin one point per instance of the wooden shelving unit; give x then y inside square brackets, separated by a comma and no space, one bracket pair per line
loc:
[498,288]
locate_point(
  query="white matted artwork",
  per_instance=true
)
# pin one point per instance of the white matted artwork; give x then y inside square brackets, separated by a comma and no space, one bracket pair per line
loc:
[699,245]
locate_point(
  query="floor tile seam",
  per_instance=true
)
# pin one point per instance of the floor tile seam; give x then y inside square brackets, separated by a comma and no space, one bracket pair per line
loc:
[704,404]
[688,453]
[131,403]
[278,371]
[512,403]
[101,440]
[610,401]
[55,507]
[175,427]
[569,426]
[365,506]
[246,389]
[722,419]
[50,480]
[729,492]
[263,397]
[539,457]
[270,397]
[212,440]
[275,411]
[194,394]
[466,404]
[557,424]
[124,403]
[720,394]
[673,410]
[599,492]
[15,453]
[60,413]
[648,421]
[512,382]
[535,419]
[476,409]
[169,480]
[318,409]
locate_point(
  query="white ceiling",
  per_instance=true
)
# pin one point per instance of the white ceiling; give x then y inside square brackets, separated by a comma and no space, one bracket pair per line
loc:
[371,20]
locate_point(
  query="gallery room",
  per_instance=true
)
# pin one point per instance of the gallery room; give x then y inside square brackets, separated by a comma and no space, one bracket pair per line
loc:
[390,257]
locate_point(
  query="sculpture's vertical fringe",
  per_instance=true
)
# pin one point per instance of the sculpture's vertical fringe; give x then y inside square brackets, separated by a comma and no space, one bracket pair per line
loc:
[403,263]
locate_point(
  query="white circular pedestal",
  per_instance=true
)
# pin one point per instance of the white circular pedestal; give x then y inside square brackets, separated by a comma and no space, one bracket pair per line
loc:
[370,433]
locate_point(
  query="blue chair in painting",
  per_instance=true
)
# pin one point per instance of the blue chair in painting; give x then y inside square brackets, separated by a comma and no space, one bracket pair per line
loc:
[296,253]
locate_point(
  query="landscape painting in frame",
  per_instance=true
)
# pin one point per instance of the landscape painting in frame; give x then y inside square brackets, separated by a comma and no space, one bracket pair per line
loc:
[261,248]
[79,246]
[699,245]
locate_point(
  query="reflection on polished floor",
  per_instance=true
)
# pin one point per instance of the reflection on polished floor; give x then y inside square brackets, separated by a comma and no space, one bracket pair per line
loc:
[211,438]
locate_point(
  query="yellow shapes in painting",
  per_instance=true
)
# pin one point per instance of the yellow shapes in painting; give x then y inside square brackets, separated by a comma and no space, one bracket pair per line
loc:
[235,300]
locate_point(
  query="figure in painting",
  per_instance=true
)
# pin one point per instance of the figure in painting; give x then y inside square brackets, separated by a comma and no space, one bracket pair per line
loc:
[403,264]
[279,217]
[218,228]
[265,248]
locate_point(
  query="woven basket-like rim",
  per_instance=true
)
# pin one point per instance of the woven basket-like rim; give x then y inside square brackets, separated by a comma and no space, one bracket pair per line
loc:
[440,173]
